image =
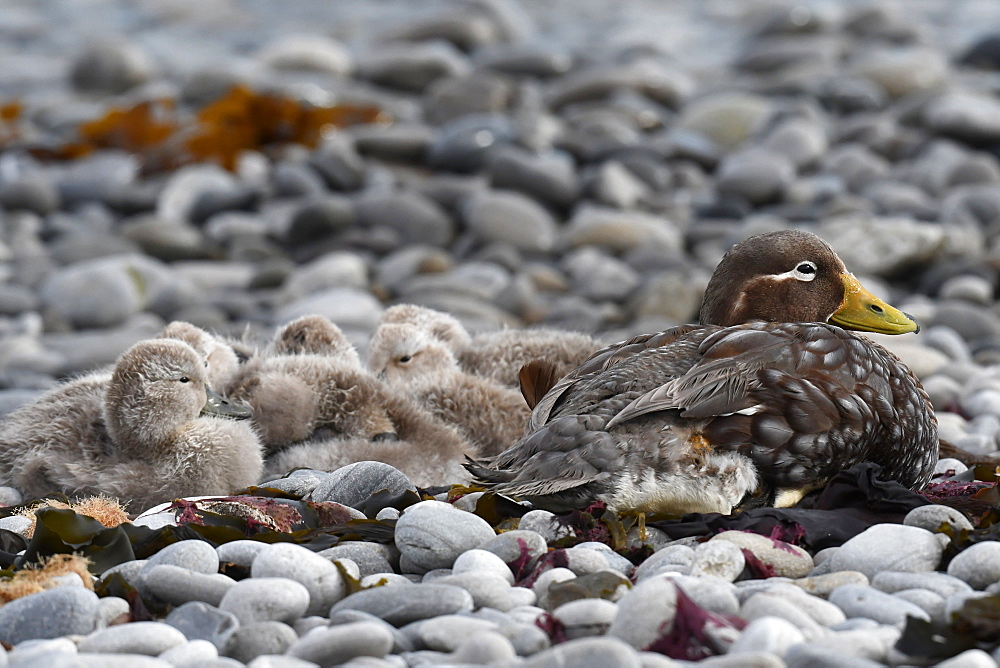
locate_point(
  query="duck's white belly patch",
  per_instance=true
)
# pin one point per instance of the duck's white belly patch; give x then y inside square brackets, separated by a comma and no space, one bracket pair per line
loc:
[715,486]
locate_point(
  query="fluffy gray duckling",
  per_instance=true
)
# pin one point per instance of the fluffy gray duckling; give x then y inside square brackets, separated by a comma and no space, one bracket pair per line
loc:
[295,393]
[222,363]
[491,415]
[499,355]
[148,431]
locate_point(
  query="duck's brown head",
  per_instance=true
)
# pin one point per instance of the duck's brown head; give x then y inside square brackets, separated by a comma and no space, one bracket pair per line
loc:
[794,276]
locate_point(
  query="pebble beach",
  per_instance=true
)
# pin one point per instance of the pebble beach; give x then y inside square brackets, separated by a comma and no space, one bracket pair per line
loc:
[579,166]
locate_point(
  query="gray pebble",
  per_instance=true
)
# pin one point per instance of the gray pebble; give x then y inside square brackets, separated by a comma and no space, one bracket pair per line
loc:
[550,178]
[978,564]
[482,561]
[191,652]
[411,67]
[889,547]
[49,614]
[786,560]
[510,217]
[616,230]
[932,516]
[262,599]
[488,590]
[767,604]
[110,66]
[112,608]
[194,555]
[432,534]
[587,653]
[586,617]
[768,634]
[176,585]
[150,638]
[519,548]
[807,655]
[723,559]
[545,524]
[861,601]
[970,658]
[274,661]
[335,645]
[668,559]
[352,484]
[240,552]
[402,605]
[201,621]
[756,174]
[252,640]
[598,276]
[710,592]
[369,558]
[940,583]
[318,575]
[416,218]
[932,603]
[16,523]
[485,648]
[643,611]
[822,585]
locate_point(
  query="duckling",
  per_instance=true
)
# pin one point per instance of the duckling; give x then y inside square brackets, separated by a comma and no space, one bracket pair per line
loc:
[499,355]
[492,416]
[139,432]
[428,451]
[221,360]
[765,400]
[295,394]
[315,335]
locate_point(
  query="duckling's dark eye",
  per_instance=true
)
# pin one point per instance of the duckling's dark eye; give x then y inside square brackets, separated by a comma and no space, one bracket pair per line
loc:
[804,271]
[184,379]
[405,358]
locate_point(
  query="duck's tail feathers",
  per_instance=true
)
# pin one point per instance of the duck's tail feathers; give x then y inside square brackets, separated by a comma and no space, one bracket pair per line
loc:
[484,474]
[536,378]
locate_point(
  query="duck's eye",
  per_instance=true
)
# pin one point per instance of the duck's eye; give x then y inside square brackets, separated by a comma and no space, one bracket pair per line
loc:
[405,358]
[184,379]
[805,271]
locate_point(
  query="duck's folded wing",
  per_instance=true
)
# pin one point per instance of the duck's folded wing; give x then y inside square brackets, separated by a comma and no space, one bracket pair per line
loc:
[602,360]
[729,377]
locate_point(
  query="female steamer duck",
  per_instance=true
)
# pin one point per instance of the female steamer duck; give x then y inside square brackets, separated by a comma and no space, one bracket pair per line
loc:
[765,400]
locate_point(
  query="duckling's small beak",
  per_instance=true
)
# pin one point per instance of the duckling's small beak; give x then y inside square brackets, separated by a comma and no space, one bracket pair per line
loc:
[864,312]
[222,407]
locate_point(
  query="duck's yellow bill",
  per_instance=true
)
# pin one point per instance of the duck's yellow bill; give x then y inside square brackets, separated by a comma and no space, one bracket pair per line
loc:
[864,312]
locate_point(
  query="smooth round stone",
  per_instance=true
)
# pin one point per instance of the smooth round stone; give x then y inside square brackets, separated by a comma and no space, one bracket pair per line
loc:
[967,287]
[401,641]
[645,611]
[668,559]
[319,576]
[351,485]
[193,555]
[773,635]
[727,118]
[822,611]
[931,518]
[786,560]
[299,483]
[599,276]
[822,585]
[549,577]
[92,294]
[518,549]
[464,144]
[939,583]
[970,117]
[487,589]
[545,524]
[369,559]
[113,609]
[32,192]
[889,547]
[411,67]
[398,142]
[263,599]
[49,614]
[335,645]
[482,561]
[416,218]
[110,66]
[549,178]
[621,230]
[800,140]
[297,180]
[617,186]
[260,638]
[757,175]
[240,552]
[770,604]
[191,652]
[201,621]
[510,217]
[338,164]
[316,53]
[856,165]
[16,523]
[949,467]
[861,601]
[350,308]
[587,653]
[401,605]
[933,604]
[176,585]
[432,534]
[808,655]
[978,564]
[336,269]
[943,392]
[487,648]
[149,638]
[586,617]
[970,658]
[722,559]
[710,592]
[902,70]
[446,632]
[318,219]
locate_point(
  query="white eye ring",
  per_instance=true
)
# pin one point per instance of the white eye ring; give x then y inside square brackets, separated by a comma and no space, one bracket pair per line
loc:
[804,271]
